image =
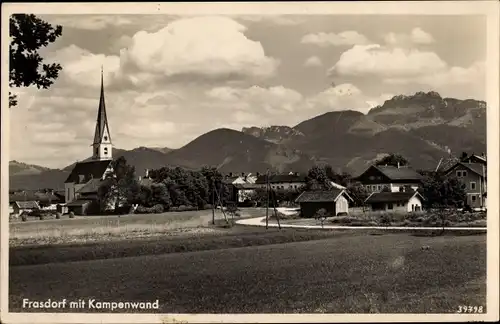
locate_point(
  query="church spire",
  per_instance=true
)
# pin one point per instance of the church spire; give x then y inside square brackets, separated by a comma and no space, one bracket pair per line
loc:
[102,139]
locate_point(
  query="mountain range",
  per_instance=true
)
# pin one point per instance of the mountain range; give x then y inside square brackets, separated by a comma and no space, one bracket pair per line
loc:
[423,127]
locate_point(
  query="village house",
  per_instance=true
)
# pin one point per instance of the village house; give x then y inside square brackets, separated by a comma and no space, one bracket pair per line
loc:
[82,184]
[409,201]
[241,187]
[334,201]
[396,178]
[29,200]
[292,180]
[473,176]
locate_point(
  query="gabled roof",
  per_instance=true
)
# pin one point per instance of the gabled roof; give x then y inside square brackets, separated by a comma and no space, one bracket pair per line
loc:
[78,202]
[27,204]
[91,187]
[336,185]
[474,167]
[90,169]
[401,173]
[102,119]
[480,158]
[281,178]
[381,197]
[447,163]
[321,196]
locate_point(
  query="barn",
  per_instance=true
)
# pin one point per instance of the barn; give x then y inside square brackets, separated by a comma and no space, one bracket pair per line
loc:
[334,201]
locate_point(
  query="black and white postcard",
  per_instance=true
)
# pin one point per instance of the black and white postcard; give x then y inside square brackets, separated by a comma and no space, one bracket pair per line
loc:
[250,162]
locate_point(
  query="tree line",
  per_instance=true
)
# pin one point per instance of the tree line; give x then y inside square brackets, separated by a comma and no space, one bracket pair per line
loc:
[176,187]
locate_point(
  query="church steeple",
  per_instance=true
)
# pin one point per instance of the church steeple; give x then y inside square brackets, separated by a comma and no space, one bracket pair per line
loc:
[102,145]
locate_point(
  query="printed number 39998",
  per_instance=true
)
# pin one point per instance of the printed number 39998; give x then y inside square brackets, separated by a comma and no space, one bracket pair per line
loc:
[470,309]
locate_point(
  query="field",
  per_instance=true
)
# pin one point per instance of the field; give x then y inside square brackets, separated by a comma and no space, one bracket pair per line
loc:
[388,273]
[84,229]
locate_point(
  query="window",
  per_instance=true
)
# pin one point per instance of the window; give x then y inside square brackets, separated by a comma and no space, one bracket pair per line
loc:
[464,173]
[105,138]
[473,185]
[473,198]
[374,187]
[390,206]
[105,151]
[368,188]
[459,174]
[378,187]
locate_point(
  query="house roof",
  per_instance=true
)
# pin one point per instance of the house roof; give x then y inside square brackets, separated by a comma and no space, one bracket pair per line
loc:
[90,187]
[78,202]
[35,196]
[281,178]
[447,163]
[478,157]
[401,173]
[393,173]
[336,185]
[247,186]
[229,179]
[321,196]
[27,204]
[474,167]
[381,197]
[90,169]
[28,196]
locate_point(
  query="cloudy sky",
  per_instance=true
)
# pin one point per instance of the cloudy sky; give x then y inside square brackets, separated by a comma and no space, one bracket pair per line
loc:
[169,79]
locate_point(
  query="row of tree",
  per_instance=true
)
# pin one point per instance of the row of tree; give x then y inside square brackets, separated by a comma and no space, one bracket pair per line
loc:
[173,187]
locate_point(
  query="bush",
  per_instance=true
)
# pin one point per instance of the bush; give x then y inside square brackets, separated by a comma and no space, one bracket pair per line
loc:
[71,215]
[343,219]
[58,215]
[24,216]
[41,217]
[156,209]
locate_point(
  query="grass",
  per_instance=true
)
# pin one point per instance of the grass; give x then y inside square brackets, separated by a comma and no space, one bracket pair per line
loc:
[84,229]
[221,236]
[387,273]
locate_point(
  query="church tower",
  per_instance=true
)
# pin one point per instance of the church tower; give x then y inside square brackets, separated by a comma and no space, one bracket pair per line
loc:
[102,146]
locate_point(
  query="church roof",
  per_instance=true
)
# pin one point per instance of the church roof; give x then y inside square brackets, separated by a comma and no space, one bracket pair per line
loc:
[89,169]
[102,119]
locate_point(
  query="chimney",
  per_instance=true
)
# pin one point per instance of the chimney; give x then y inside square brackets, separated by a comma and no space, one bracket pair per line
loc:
[242,174]
[146,173]
[296,174]
[483,154]
[398,165]
[140,178]
[257,174]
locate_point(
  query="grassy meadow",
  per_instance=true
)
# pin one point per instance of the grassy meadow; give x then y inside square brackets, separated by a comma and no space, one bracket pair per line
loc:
[386,273]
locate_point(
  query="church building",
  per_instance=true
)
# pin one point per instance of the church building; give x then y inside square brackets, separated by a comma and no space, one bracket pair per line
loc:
[82,184]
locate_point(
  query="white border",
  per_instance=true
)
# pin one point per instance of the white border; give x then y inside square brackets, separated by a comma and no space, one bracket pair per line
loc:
[487,8]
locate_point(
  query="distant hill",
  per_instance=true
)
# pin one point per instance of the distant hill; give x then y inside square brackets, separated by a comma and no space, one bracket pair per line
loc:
[20,168]
[422,127]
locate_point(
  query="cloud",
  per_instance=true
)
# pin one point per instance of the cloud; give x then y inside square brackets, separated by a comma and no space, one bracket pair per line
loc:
[331,39]
[313,61]
[82,68]
[363,60]
[283,20]
[88,22]
[341,97]
[416,36]
[201,47]
[272,100]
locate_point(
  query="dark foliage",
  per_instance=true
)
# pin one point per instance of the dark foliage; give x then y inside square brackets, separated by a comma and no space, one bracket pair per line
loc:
[28,34]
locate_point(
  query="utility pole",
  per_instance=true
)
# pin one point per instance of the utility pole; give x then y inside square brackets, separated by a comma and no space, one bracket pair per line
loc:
[267,194]
[213,201]
[275,210]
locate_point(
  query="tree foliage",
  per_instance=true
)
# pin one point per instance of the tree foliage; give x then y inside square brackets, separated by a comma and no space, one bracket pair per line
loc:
[358,193]
[28,34]
[443,191]
[120,187]
[393,159]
